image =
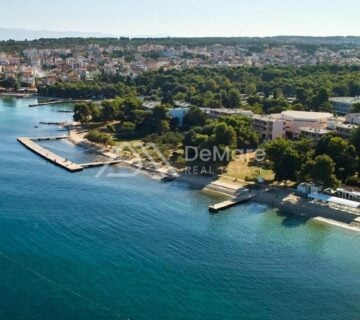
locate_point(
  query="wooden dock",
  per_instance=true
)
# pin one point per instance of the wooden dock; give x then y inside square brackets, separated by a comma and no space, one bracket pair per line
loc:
[230,203]
[46,154]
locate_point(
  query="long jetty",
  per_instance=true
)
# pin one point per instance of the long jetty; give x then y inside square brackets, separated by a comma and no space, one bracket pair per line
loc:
[56,102]
[31,144]
[52,123]
[48,138]
[46,154]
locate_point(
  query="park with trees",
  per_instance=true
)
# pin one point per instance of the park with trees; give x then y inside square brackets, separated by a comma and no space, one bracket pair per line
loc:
[329,162]
[267,89]
[271,89]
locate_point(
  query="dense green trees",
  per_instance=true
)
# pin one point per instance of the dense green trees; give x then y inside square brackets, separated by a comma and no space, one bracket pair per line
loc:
[285,157]
[194,117]
[319,99]
[342,153]
[128,113]
[355,108]
[110,110]
[99,137]
[172,139]
[204,87]
[334,160]
[224,136]
[224,87]
[219,137]
[86,90]
[86,112]
[127,128]
[246,137]
[321,171]
[156,121]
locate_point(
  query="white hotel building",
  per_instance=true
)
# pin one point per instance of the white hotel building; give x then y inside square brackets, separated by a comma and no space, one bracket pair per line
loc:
[289,124]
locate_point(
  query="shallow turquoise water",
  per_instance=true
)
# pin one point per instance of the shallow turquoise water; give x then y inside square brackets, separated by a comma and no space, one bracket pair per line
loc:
[73,246]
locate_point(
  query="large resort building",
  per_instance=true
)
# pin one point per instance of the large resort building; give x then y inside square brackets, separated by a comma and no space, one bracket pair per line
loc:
[314,134]
[344,130]
[295,120]
[290,124]
[314,125]
[269,126]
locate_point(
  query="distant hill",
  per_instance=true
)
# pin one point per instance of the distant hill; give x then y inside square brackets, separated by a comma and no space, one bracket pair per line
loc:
[46,39]
[22,34]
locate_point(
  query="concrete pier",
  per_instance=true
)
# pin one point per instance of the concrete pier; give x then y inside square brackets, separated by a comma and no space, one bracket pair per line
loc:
[48,138]
[46,103]
[101,163]
[230,203]
[53,123]
[31,144]
[46,154]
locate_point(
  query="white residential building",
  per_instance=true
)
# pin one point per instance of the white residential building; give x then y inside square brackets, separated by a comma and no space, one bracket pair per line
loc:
[353,118]
[342,105]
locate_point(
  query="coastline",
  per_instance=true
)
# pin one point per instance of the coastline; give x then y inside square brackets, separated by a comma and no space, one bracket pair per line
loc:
[78,138]
[281,199]
[104,222]
[52,100]
[289,203]
[17,94]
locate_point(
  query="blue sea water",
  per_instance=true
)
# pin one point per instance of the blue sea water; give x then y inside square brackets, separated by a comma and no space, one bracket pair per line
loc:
[77,246]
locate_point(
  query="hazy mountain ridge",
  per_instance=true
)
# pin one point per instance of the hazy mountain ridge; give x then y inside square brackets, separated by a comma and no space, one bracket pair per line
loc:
[22,34]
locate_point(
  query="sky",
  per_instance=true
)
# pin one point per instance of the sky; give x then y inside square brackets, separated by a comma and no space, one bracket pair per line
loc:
[186,17]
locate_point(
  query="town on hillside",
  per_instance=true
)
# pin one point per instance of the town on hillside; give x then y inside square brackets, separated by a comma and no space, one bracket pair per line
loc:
[26,64]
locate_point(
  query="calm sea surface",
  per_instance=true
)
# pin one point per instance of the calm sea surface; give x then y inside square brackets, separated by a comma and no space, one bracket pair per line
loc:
[74,246]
